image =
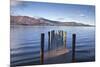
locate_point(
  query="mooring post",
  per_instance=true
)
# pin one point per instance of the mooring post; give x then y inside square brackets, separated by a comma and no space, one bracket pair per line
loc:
[52,39]
[42,48]
[73,47]
[48,40]
[53,33]
[57,40]
[64,39]
[59,36]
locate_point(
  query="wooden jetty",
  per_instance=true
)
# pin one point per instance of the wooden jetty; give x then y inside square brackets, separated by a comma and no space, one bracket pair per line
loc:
[55,53]
[56,45]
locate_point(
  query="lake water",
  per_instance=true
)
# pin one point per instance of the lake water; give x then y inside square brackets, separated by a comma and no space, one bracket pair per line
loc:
[25,43]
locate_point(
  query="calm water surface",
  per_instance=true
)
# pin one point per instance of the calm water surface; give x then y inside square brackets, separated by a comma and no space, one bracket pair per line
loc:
[25,43]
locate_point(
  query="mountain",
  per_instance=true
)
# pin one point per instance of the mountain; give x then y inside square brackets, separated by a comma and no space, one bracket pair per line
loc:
[25,20]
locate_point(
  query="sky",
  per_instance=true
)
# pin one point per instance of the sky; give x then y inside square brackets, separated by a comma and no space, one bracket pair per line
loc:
[54,11]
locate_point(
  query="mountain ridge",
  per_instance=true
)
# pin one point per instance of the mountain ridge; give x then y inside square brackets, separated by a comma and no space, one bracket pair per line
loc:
[25,20]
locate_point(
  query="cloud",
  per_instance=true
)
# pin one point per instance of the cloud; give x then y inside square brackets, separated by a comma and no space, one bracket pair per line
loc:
[82,15]
[14,2]
[64,19]
[60,18]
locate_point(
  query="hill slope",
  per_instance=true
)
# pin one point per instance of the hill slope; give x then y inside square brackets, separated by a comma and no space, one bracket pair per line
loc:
[25,20]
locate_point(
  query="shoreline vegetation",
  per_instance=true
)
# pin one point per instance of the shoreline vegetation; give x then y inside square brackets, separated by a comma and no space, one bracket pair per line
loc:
[31,21]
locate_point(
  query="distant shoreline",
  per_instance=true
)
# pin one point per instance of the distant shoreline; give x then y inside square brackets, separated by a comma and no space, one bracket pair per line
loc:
[31,21]
[50,26]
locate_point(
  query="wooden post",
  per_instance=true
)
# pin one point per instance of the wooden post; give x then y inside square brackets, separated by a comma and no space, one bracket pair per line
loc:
[52,39]
[64,39]
[59,36]
[42,48]
[52,33]
[48,40]
[57,39]
[73,47]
